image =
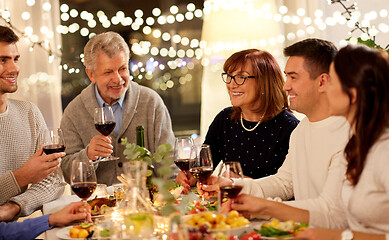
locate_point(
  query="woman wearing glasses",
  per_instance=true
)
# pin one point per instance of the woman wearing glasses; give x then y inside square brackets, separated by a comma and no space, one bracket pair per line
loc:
[255,130]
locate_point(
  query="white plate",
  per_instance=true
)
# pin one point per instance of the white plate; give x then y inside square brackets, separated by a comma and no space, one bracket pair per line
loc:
[63,233]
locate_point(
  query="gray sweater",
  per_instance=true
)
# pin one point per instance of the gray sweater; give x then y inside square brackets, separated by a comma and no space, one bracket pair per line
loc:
[22,125]
[143,107]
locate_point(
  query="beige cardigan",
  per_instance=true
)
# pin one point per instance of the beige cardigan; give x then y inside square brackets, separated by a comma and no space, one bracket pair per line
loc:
[143,107]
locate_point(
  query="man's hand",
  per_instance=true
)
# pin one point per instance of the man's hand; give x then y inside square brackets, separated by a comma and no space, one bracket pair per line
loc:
[99,146]
[74,211]
[37,167]
[8,211]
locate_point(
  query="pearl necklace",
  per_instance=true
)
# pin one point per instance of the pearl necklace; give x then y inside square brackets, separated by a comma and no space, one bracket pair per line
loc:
[250,129]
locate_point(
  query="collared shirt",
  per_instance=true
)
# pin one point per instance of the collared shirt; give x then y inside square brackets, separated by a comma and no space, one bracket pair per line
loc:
[117,108]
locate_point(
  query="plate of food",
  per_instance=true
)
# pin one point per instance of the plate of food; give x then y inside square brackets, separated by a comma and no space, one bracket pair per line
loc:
[100,206]
[276,229]
[80,231]
[229,224]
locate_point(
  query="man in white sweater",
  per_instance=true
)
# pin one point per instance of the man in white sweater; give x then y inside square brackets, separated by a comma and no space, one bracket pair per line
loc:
[312,167]
[21,159]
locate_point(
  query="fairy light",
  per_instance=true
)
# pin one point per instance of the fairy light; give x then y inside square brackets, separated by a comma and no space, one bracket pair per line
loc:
[193,48]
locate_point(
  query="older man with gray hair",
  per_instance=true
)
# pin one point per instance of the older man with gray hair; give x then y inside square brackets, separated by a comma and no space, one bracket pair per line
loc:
[106,60]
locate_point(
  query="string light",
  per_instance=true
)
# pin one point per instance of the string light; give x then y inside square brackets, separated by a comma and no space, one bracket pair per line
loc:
[194,49]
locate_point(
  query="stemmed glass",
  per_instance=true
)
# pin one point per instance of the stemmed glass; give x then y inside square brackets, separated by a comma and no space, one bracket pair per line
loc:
[83,179]
[53,142]
[105,123]
[201,167]
[182,153]
[227,176]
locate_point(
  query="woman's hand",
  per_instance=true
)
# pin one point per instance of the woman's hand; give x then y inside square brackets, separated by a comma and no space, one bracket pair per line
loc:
[74,211]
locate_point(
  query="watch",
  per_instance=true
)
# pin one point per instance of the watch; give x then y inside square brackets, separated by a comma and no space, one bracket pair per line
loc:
[347,235]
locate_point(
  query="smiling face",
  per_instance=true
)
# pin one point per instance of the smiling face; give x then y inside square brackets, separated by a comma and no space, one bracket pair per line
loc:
[112,76]
[9,68]
[339,101]
[302,89]
[243,96]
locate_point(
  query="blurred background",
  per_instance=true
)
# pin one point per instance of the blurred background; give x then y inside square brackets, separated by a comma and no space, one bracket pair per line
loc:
[178,47]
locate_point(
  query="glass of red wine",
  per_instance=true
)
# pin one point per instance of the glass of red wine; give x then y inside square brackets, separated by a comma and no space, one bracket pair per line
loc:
[201,167]
[53,142]
[182,152]
[105,123]
[83,178]
[227,176]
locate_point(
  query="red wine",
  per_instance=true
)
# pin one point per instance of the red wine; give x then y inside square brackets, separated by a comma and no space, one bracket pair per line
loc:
[105,128]
[182,164]
[201,173]
[230,191]
[54,148]
[84,190]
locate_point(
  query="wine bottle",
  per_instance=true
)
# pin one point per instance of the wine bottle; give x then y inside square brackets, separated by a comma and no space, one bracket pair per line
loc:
[140,141]
[140,136]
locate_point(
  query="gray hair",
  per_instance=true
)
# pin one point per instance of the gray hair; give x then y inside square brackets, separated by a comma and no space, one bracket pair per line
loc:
[110,43]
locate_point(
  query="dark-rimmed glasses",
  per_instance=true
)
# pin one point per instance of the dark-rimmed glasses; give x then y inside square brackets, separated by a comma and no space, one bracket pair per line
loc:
[238,78]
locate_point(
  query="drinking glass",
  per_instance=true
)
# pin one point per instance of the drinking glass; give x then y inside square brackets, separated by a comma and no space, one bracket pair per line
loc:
[83,178]
[201,167]
[227,176]
[53,142]
[182,152]
[105,123]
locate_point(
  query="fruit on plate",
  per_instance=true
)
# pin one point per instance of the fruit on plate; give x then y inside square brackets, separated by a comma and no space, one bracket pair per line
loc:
[217,221]
[81,231]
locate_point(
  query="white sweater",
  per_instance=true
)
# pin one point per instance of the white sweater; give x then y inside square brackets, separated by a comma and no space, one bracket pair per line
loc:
[311,172]
[367,204]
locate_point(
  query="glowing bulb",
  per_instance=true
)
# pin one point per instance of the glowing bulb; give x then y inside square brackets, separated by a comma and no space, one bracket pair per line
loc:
[283,10]
[156,33]
[30,2]
[64,7]
[84,32]
[198,13]
[150,21]
[174,9]
[138,13]
[166,36]
[26,15]
[180,17]
[156,12]
[301,12]
[191,7]
[46,6]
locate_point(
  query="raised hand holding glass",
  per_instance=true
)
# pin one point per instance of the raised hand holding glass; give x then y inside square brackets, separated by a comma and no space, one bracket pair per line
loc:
[53,142]
[105,123]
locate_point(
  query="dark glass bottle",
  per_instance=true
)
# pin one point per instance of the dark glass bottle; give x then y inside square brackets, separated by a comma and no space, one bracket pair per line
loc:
[140,141]
[140,136]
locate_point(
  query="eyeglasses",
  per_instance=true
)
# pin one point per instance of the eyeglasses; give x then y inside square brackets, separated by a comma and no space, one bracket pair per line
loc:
[238,79]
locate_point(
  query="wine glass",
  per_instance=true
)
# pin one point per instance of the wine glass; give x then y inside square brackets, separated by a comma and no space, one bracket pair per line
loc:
[182,151]
[53,142]
[227,176]
[105,123]
[83,179]
[201,167]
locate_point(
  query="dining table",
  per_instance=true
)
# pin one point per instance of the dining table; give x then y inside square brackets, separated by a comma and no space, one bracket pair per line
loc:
[64,200]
